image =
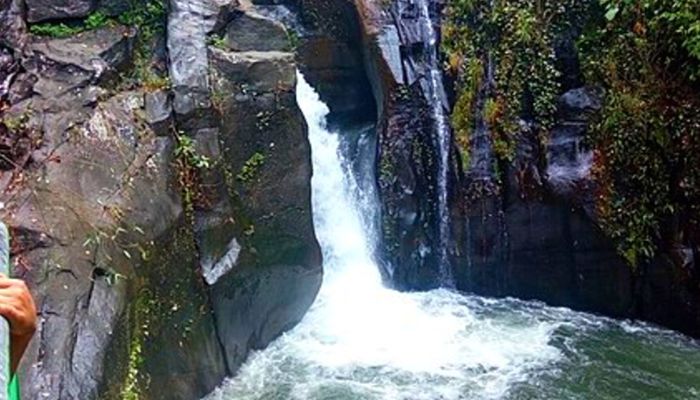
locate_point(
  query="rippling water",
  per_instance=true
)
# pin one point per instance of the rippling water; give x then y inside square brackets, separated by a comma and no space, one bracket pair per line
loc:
[361,341]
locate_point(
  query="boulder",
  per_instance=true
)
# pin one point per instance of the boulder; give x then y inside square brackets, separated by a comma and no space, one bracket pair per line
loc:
[245,31]
[42,10]
[92,57]
[189,23]
[13,29]
[158,109]
[270,247]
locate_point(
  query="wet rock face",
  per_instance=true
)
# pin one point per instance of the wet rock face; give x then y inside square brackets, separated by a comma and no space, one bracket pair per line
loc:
[396,39]
[534,238]
[332,53]
[527,228]
[149,272]
[406,181]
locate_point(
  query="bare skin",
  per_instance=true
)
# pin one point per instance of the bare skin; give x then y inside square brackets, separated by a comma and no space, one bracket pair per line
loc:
[17,306]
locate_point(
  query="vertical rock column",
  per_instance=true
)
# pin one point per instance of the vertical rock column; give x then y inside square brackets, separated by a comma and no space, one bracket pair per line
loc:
[407,155]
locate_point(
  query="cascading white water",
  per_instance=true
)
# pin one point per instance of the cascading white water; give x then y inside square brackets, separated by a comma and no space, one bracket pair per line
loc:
[437,96]
[361,341]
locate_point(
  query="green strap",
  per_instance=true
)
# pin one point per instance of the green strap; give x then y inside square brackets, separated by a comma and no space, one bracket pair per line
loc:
[13,390]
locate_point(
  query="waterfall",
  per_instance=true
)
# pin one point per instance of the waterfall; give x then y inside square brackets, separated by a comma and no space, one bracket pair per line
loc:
[362,341]
[436,94]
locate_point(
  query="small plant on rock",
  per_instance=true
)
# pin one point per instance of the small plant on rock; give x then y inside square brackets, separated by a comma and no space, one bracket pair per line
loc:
[218,41]
[185,150]
[250,168]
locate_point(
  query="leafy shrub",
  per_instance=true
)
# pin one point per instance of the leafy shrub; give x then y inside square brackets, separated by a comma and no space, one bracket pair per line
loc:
[499,51]
[647,139]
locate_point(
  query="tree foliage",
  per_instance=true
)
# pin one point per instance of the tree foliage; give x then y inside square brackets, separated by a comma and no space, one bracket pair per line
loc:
[645,54]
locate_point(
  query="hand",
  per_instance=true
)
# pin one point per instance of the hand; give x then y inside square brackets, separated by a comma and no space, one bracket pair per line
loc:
[17,306]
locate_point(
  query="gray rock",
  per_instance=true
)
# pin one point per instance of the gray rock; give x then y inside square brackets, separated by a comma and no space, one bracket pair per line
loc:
[22,88]
[42,10]
[114,7]
[257,71]
[112,163]
[213,271]
[282,14]
[158,107]
[6,62]
[102,309]
[278,248]
[580,103]
[116,265]
[12,26]
[251,31]
[249,318]
[90,57]
[336,71]
[390,47]
[207,143]
[189,23]
[8,70]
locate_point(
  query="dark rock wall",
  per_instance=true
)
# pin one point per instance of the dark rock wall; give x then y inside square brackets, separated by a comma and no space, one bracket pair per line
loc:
[525,227]
[164,226]
[531,234]
[406,162]
[535,233]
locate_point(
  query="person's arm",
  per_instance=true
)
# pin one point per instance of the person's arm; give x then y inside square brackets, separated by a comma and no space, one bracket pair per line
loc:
[17,306]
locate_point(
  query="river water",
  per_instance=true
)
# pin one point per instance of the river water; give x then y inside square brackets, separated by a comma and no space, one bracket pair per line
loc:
[361,341]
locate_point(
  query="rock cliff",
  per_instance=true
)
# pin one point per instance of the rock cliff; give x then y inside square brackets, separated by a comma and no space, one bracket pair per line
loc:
[156,179]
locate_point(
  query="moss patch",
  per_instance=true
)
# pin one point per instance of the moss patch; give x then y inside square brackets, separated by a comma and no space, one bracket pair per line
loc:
[501,54]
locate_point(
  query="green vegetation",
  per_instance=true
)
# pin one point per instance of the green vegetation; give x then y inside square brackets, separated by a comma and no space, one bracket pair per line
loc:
[140,320]
[56,30]
[148,17]
[168,305]
[218,41]
[189,164]
[647,140]
[95,20]
[185,150]
[644,53]
[294,40]
[15,124]
[514,39]
[251,167]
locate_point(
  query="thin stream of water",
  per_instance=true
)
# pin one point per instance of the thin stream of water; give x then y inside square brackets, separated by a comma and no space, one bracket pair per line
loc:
[437,106]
